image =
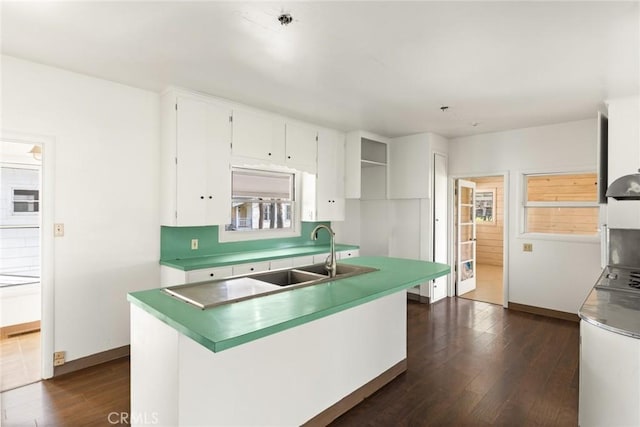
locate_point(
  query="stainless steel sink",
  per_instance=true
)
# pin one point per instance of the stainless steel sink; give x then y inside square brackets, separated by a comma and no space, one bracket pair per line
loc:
[287,277]
[233,289]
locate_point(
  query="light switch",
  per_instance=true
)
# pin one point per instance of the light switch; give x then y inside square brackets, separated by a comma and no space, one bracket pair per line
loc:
[58,230]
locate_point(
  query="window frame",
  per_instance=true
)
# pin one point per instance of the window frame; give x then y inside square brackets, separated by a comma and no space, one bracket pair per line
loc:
[267,233]
[35,202]
[524,204]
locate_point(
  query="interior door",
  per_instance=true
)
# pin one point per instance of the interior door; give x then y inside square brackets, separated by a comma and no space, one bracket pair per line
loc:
[466,236]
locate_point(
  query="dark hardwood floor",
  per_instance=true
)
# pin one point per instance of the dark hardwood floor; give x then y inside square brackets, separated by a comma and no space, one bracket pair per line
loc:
[469,363]
[472,363]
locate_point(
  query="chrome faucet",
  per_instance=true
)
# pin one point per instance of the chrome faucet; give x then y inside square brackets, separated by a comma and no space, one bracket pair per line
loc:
[330,264]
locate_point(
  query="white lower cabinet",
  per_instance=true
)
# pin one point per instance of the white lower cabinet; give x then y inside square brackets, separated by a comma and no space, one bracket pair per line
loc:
[609,378]
[252,267]
[438,289]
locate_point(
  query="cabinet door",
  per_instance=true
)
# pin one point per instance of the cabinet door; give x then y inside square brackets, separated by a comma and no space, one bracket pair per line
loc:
[191,168]
[624,158]
[438,290]
[301,145]
[203,181]
[218,159]
[258,136]
[330,177]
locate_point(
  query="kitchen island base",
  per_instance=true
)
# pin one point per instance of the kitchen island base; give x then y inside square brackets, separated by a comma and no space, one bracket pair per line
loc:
[311,373]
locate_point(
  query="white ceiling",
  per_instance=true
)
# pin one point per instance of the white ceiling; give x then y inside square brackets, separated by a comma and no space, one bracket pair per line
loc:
[385,67]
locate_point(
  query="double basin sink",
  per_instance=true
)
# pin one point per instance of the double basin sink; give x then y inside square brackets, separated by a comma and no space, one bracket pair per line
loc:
[233,289]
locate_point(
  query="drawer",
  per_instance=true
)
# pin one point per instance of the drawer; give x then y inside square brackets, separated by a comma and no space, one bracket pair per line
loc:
[317,259]
[302,260]
[348,254]
[208,274]
[249,268]
[280,263]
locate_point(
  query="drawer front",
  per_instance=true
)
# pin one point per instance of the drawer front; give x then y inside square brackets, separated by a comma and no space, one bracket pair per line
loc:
[280,263]
[317,259]
[348,254]
[249,268]
[208,274]
[302,260]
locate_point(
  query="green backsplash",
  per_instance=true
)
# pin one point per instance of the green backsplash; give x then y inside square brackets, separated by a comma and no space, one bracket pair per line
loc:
[175,242]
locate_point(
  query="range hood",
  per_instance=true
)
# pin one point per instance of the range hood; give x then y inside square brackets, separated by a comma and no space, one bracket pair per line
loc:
[626,187]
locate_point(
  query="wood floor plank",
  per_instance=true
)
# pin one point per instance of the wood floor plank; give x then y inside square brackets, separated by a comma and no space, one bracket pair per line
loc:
[469,364]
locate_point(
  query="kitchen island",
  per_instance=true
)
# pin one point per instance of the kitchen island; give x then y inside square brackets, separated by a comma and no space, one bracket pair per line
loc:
[290,358]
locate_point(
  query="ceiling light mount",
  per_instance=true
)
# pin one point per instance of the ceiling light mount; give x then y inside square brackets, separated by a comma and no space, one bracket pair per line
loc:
[285,19]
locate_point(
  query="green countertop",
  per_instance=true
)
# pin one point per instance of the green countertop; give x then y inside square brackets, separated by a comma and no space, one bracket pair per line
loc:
[188,264]
[230,325]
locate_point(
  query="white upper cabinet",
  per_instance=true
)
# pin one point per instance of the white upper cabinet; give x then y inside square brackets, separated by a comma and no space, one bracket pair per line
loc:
[624,158]
[196,143]
[330,176]
[300,147]
[323,193]
[258,136]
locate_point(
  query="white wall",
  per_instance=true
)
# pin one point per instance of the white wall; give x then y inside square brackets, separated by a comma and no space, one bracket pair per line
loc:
[558,274]
[106,194]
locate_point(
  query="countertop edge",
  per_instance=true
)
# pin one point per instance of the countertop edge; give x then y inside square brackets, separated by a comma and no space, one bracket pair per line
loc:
[592,310]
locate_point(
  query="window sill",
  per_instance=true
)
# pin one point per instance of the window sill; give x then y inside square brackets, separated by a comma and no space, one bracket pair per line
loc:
[560,237]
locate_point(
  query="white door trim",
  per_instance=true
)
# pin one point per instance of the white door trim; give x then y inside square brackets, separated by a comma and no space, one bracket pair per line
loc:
[505,232]
[46,241]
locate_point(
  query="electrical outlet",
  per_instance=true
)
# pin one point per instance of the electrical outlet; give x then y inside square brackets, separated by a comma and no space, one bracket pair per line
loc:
[58,358]
[527,247]
[58,230]
[194,244]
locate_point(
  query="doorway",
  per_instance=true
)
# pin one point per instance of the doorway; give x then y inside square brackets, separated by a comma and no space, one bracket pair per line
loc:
[487,261]
[20,266]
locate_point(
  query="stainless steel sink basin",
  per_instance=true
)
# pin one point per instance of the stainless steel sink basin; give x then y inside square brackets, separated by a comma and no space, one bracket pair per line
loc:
[233,289]
[287,277]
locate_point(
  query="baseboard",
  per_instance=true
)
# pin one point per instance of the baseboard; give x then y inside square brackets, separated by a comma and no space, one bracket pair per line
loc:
[19,329]
[419,298]
[544,312]
[331,413]
[92,360]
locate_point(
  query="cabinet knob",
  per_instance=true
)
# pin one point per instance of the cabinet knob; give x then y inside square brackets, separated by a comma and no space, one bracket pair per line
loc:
[202,197]
[211,197]
[211,274]
[288,157]
[251,269]
[269,153]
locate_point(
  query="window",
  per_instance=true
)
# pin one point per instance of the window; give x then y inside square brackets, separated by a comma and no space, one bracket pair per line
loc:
[561,203]
[26,201]
[261,200]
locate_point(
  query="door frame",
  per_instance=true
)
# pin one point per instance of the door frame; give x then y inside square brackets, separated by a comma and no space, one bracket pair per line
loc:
[451,291]
[47,264]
